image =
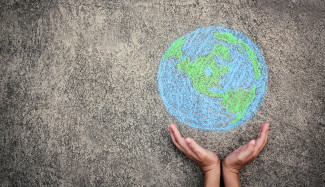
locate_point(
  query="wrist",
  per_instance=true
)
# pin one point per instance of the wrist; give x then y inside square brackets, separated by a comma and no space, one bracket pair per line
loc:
[212,168]
[230,176]
[214,171]
[228,169]
[212,177]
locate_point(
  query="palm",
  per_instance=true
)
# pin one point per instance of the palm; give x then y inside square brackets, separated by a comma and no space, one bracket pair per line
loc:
[204,158]
[242,156]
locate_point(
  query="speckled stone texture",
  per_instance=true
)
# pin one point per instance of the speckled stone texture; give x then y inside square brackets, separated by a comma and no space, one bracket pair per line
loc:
[80,104]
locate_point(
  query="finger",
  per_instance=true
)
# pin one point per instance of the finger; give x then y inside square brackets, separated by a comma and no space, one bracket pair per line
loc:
[182,143]
[266,135]
[196,148]
[263,127]
[262,138]
[177,135]
[174,139]
[242,147]
[248,151]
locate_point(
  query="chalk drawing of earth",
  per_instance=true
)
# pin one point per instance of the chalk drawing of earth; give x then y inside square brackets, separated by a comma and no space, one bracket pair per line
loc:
[213,78]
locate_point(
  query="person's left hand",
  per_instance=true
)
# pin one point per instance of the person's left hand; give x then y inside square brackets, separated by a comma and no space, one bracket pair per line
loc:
[205,159]
[245,154]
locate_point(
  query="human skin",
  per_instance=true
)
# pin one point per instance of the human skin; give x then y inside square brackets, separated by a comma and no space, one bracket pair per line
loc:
[205,159]
[242,156]
[210,163]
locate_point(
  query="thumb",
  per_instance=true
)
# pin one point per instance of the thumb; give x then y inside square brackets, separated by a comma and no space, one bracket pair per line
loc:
[196,148]
[248,150]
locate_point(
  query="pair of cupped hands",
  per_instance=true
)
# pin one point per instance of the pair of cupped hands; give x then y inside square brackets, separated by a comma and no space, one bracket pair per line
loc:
[210,163]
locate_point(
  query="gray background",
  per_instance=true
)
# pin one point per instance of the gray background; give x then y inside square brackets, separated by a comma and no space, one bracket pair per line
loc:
[80,104]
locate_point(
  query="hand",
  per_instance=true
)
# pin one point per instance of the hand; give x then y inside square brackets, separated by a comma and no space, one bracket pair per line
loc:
[245,154]
[205,159]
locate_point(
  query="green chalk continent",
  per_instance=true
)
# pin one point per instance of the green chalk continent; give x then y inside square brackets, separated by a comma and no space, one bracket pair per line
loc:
[229,38]
[201,81]
[235,101]
[222,51]
[175,50]
[240,50]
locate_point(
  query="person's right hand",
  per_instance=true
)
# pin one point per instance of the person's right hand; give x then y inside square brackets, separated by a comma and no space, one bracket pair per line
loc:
[245,154]
[205,159]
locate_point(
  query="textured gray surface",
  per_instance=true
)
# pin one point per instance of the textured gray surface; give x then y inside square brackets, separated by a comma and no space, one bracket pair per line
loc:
[80,104]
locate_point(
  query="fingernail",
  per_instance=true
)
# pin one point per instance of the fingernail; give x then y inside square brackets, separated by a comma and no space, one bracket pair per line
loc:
[188,140]
[253,142]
